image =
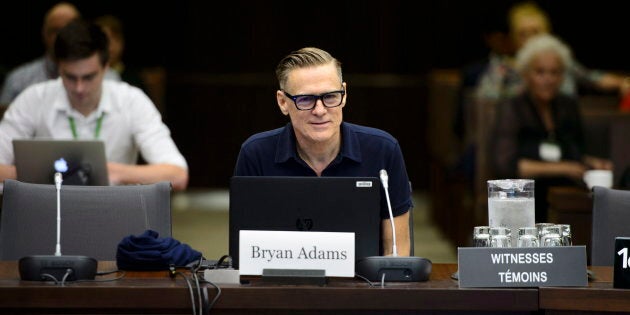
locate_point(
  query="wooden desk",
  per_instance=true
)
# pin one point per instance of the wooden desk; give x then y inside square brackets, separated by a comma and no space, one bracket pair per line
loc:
[149,292]
[598,298]
[154,292]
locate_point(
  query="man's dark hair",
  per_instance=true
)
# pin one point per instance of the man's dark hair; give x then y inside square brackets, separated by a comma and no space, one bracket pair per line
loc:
[79,40]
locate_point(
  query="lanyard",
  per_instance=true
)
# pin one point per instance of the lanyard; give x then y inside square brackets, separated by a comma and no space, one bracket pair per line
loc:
[97,130]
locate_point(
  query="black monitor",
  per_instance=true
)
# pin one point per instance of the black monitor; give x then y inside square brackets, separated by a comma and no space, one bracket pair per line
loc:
[323,204]
[35,161]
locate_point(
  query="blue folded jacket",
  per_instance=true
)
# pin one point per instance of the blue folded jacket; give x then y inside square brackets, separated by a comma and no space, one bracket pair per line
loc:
[149,252]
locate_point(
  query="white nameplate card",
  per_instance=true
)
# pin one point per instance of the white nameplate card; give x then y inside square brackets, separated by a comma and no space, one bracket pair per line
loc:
[522,267]
[331,251]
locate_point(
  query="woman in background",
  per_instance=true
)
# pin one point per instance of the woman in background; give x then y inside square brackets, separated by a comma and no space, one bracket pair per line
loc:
[539,132]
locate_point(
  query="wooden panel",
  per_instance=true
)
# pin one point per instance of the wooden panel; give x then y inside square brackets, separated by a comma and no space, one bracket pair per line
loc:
[598,297]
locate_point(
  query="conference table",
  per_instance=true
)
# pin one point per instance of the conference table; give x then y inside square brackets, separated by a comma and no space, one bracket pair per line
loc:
[157,293]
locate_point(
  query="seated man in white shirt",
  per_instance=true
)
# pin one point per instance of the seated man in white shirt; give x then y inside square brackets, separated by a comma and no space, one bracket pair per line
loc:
[44,67]
[81,105]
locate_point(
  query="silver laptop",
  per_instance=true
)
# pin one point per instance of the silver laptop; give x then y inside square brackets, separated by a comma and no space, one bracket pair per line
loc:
[86,162]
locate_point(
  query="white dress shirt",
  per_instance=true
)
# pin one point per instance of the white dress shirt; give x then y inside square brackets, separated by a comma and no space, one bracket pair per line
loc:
[131,124]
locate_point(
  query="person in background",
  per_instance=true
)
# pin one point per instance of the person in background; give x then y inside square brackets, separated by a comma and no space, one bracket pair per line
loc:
[113,28]
[502,81]
[316,141]
[151,79]
[43,68]
[80,104]
[496,38]
[539,132]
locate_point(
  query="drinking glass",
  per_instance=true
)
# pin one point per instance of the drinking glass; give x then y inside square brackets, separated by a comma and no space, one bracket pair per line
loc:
[540,227]
[565,233]
[481,236]
[511,204]
[527,237]
[500,237]
[551,236]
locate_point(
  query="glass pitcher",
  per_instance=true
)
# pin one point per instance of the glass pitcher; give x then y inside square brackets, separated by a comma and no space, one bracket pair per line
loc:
[511,204]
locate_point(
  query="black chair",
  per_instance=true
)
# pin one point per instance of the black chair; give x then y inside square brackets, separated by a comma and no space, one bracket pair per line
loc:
[611,218]
[94,219]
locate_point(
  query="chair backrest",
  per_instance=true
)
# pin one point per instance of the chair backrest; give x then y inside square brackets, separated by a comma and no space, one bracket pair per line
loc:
[611,218]
[94,219]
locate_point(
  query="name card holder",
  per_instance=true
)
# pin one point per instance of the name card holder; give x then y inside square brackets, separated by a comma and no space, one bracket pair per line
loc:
[294,276]
[481,267]
[294,255]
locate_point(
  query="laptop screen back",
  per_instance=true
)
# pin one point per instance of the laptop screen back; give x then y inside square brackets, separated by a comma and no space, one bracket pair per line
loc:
[35,160]
[325,204]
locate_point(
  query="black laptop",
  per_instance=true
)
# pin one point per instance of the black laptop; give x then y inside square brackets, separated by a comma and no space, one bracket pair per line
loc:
[85,159]
[324,204]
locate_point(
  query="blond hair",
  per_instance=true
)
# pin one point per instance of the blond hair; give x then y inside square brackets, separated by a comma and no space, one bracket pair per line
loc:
[527,9]
[304,58]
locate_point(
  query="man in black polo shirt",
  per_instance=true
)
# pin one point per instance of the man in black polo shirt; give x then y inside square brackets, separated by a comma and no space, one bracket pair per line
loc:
[318,143]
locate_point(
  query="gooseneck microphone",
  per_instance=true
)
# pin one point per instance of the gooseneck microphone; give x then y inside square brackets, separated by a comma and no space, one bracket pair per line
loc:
[393,268]
[58,181]
[57,267]
[385,183]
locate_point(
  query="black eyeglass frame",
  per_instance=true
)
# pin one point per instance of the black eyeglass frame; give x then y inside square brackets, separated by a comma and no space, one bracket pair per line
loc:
[317,97]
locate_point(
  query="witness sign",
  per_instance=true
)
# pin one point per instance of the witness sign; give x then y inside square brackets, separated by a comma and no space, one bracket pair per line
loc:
[522,267]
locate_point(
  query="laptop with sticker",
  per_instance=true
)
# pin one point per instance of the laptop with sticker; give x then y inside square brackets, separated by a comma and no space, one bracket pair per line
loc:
[325,204]
[37,160]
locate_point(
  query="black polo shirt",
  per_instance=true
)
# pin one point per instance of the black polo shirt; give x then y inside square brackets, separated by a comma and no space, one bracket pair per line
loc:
[364,152]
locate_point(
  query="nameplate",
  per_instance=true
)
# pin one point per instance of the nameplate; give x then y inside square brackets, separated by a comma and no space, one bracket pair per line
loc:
[522,267]
[621,270]
[333,252]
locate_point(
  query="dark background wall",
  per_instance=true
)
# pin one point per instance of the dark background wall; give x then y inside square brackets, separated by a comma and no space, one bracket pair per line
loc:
[220,56]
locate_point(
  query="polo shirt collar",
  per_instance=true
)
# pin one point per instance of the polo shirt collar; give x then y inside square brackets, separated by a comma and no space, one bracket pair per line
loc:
[350,146]
[287,147]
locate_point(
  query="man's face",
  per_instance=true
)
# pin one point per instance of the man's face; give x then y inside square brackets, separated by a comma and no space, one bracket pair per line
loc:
[544,76]
[83,81]
[321,124]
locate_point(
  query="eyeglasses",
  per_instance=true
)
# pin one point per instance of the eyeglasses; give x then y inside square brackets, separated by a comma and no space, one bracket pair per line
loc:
[308,101]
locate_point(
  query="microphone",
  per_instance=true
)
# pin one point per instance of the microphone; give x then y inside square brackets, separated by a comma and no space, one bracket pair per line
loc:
[57,267]
[385,183]
[393,268]
[58,181]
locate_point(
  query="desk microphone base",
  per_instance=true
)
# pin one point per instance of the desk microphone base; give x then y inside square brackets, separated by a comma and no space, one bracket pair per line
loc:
[42,267]
[395,269]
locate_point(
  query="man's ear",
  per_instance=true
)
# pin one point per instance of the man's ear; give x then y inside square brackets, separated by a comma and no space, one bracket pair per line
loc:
[283,102]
